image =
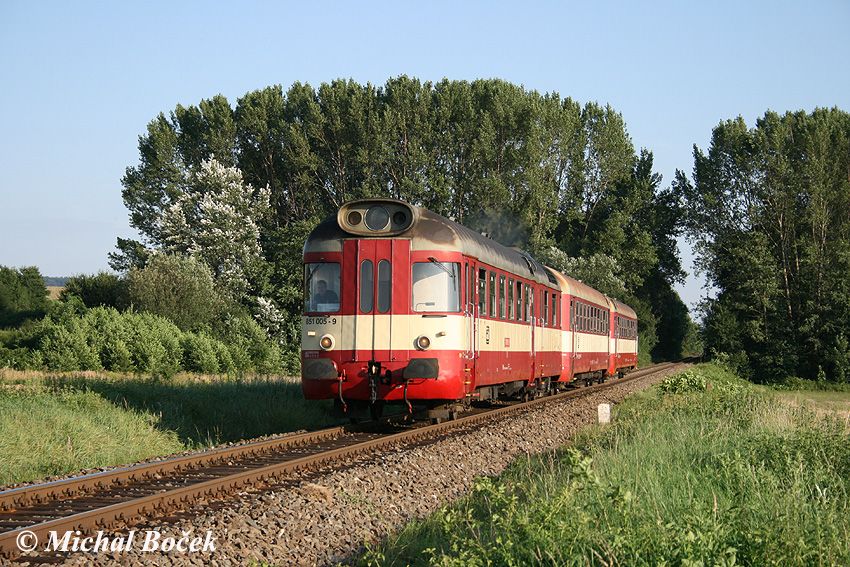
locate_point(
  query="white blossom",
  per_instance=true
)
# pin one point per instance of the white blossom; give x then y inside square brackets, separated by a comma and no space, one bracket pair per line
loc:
[215,220]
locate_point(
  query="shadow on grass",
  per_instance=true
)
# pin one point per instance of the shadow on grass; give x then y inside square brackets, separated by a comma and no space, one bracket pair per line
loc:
[204,413]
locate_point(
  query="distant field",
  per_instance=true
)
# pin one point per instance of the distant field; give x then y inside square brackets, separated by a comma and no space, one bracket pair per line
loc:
[821,402]
[55,290]
[53,424]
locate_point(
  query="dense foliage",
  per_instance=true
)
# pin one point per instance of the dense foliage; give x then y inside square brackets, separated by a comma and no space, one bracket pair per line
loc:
[768,210]
[531,170]
[72,337]
[180,289]
[98,290]
[23,295]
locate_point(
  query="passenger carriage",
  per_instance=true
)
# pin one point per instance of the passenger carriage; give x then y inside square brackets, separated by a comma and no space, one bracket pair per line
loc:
[404,305]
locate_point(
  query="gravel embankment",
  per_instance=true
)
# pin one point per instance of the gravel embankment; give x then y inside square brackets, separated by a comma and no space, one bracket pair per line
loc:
[326,518]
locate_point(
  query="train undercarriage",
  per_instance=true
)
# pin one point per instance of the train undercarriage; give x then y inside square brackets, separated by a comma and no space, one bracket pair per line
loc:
[440,410]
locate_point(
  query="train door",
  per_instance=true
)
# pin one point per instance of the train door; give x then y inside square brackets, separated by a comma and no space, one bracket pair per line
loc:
[470,311]
[485,369]
[616,341]
[531,318]
[383,292]
[573,341]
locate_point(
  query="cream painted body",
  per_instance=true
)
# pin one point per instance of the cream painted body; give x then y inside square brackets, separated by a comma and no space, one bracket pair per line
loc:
[627,346]
[452,332]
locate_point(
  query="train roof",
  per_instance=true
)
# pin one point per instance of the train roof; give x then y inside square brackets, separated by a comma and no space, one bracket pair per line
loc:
[622,309]
[430,231]
[575,288]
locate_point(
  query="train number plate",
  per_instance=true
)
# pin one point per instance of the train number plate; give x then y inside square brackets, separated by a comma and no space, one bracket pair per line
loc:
[320,320]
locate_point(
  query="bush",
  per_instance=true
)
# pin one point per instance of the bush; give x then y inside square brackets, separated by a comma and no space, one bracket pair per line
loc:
[687,381]
[200,353]
[66,346]
[178,288]
[248,344]
[155,344]
[98,290]
[74,338]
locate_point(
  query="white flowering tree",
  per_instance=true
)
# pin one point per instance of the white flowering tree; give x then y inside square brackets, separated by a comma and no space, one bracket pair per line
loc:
[216,221]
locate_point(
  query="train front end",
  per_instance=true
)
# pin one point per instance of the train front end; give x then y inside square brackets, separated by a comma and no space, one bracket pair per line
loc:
[383,320]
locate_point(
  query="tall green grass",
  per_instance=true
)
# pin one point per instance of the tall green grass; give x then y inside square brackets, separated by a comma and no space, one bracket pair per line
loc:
[51,425]
[703,470]
[46,433]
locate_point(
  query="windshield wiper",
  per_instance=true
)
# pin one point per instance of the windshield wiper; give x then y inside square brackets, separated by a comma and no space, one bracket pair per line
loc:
[310,275]
[442,266]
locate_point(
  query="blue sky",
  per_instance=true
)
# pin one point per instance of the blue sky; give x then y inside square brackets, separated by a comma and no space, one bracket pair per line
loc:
[82,79]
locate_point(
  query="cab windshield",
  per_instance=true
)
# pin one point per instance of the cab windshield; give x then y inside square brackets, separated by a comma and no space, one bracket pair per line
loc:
[436,286]
[321,287]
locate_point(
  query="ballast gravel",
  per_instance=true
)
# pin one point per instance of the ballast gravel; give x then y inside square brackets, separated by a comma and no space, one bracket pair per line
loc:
[326,517]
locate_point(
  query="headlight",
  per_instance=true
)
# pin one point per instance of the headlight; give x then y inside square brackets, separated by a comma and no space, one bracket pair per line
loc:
[423,342]
[327,342]
[400,219]
[377,218]
[354,218]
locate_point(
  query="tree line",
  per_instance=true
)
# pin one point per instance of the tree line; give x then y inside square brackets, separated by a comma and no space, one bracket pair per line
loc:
[769,213]
[240,186]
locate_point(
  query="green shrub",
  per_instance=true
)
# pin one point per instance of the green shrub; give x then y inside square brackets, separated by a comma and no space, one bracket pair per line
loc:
[98,290]
[249,345]
[178,288]
[66,346]
[225,360]
[73,338]
[199,353]
[688,381]
[154,344]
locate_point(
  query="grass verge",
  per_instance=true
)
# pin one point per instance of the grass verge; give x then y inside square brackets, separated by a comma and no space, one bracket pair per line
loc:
[56,424]
[705,469]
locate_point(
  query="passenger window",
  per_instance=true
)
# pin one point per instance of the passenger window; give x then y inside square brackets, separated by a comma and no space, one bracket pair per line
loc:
[518,309]
[545,296]
[525,303]
[367,286]
[510,298]
[482,293]
[385,288]
[501,297]
[492,308]
[554,310]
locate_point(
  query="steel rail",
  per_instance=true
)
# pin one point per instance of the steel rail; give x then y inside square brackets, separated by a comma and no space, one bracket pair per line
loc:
[166,500]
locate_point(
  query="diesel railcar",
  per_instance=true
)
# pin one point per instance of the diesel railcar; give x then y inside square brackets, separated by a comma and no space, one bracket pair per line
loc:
[404,305]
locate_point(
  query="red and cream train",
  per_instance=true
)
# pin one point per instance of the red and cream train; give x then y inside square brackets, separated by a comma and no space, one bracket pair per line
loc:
[404,305]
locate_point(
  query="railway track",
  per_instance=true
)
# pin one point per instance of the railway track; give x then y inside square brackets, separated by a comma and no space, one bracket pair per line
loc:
[128,495]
